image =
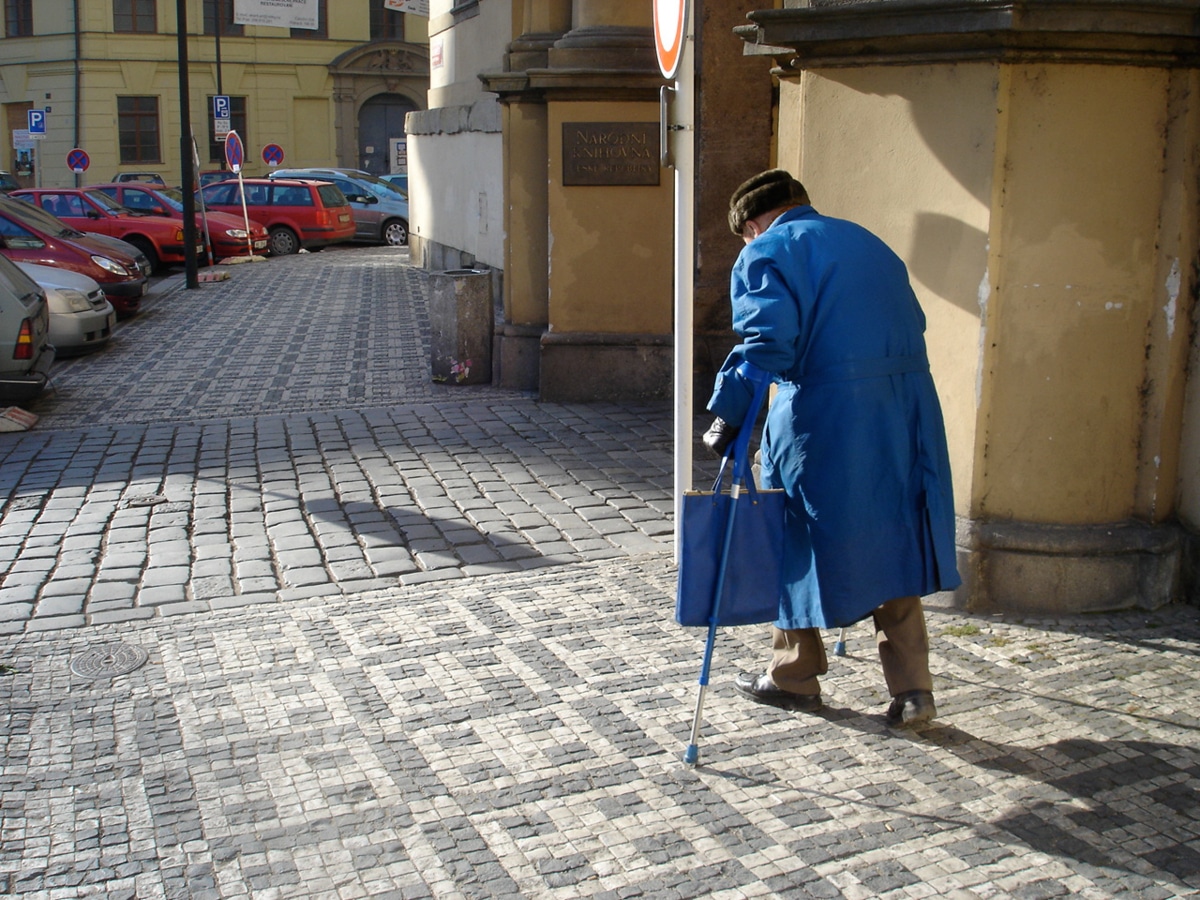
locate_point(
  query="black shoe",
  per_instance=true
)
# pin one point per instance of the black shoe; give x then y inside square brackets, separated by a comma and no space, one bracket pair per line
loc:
[911,709]
[761,689]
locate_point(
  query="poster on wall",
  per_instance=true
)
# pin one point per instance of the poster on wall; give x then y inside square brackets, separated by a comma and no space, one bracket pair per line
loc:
[416,7]
[399,156]
[277,13]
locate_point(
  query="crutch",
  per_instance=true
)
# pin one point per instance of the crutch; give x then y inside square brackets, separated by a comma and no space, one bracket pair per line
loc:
[739,450]
[839,649]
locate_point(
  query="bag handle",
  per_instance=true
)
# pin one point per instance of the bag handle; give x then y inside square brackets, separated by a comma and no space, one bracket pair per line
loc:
[739,448]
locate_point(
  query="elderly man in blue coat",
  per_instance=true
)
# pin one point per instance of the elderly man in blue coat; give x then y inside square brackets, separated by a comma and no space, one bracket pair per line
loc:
[854,436]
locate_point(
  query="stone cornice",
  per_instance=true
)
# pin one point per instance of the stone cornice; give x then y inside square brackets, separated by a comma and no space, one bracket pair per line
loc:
[537,85]
[828,33]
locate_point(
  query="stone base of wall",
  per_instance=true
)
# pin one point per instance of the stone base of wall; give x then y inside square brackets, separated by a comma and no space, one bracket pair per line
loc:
[1067,569]
[578,367]
[518,350]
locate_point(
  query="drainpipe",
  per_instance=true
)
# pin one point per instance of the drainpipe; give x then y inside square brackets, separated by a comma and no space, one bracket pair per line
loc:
[78,77]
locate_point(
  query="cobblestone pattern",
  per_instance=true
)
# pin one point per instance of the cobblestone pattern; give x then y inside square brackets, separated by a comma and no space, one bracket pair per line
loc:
[520,736]
[344,328]
[125,523]
[135,497]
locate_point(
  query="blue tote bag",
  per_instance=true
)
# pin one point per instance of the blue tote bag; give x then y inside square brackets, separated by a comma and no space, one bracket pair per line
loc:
[736,571]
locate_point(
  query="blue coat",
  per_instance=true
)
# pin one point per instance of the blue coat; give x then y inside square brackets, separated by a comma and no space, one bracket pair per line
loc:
[855,433]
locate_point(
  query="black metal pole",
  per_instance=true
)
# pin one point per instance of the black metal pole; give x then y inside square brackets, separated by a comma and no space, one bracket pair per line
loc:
[220,85]
[187,175]
[217,39]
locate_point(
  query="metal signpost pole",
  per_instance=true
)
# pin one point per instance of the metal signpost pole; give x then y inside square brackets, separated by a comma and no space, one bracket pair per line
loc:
[187,176]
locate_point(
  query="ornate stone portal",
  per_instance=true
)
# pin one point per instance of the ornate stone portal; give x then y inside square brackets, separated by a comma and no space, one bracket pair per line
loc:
[368,71]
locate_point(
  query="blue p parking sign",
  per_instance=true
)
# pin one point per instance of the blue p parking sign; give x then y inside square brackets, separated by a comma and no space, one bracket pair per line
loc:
[37,121]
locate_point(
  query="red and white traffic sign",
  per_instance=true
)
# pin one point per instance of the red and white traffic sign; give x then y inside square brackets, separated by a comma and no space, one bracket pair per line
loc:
[78,161]
[670,25]
[272,154]
[235,153]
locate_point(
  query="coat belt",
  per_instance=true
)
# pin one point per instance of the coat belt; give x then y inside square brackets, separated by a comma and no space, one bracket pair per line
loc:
[854,369]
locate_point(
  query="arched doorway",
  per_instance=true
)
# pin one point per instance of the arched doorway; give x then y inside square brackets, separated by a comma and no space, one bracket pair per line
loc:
[381,133]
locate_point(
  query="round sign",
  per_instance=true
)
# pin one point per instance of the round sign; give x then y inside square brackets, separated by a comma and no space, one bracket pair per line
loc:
[670,25]
[78,161]
[272,154]
[235,153]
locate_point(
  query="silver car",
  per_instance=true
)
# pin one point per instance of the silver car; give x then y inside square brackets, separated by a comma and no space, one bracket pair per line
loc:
[380,209]
[81,319]
[26,353]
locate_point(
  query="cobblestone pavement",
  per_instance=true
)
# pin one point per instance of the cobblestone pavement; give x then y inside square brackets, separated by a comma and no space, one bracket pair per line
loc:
[316,481]
[504,727]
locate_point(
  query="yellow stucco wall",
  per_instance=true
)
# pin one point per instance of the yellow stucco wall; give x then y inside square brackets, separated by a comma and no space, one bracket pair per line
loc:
[611,277]
[1073,269]
[925,191]
[526,259]
[286,81]
[1027,201]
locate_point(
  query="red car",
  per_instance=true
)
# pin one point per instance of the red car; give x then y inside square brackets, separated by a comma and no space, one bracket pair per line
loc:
[228,233]
[308,214]
[94,212]
[28,234]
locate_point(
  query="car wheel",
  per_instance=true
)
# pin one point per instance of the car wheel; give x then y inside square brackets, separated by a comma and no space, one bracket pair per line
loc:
[395,232]
[282,241]
[147,248]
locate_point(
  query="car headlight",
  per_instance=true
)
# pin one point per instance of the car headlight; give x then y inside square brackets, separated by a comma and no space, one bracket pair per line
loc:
[109,265]
[76,301]
[237,233]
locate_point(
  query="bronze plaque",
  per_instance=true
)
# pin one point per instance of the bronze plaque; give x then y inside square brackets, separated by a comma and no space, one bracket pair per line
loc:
[610,153]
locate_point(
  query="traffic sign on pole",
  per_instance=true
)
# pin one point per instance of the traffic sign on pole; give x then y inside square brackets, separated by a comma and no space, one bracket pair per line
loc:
[670,24]
[37,122]
[235,153]
[78,161]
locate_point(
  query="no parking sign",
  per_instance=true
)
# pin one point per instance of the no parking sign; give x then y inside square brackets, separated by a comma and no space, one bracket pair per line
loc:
[272,154]
[78,161]
[235,153]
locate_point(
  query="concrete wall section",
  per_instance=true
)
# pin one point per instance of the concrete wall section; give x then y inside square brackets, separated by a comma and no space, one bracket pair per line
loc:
[453,208]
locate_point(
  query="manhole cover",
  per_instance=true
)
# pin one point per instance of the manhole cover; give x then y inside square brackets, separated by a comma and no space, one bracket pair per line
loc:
[109,661]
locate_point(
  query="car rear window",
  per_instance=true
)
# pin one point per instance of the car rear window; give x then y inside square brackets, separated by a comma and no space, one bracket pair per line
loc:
[331,195]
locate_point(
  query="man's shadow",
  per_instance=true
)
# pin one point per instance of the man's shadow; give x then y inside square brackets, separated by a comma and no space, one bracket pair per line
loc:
[1119,797]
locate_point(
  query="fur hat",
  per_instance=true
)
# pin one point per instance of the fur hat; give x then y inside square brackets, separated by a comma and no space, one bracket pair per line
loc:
[764,192]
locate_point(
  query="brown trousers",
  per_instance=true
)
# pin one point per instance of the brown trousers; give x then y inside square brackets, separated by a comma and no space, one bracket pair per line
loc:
[798,655]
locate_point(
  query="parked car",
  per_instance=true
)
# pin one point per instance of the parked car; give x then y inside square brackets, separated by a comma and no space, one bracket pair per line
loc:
[144,177]
[81,318]
[26,353]
[399,179]
[228,233]
[8,183]
[207,178]
[380,208]
[32,235]
[308,214]
[93,211]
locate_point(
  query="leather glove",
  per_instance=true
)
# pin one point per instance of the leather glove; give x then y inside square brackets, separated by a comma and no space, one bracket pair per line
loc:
[719,436]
